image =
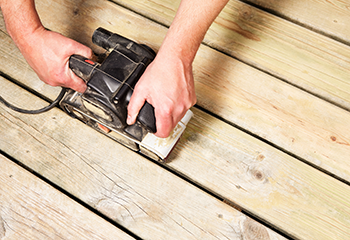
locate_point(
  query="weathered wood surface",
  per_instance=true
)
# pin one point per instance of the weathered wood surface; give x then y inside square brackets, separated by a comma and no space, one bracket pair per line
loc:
[32,209]
[282,114]
[273,186]
[261,104]
[295,54]
[278,107]
[328,17]
[131,190]
[221,158]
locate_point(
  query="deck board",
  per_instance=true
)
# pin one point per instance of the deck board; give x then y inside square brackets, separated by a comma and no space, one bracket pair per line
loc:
[288,117]
[230,163]
[295,54]
[328,17]
[275,186]
[278,112]
[32,209]
[122,185]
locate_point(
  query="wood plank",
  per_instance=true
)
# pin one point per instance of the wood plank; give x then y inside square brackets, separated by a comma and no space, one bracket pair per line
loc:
[151,202]
[278,189]
[32,209]
[302,57]
[328,17]
[130,190]
[289,118]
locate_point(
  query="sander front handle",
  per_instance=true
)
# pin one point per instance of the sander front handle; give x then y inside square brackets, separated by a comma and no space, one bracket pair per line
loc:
[82,66]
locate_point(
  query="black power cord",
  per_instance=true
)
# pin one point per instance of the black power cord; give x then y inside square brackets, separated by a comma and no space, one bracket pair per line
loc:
[41,110]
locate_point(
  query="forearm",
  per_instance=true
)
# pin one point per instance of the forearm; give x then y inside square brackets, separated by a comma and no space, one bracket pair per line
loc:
[167,83]
[189,27]
[21,19]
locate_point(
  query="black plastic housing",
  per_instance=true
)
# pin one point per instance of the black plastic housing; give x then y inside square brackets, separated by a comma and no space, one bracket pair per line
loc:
[111,83]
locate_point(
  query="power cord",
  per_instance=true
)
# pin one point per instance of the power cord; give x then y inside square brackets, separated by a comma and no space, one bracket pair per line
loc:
[41,110]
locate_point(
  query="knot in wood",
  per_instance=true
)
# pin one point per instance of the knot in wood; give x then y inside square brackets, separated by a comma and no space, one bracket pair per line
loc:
[257,174]
[76,11]
[246,13]
[260,157]
[254,230]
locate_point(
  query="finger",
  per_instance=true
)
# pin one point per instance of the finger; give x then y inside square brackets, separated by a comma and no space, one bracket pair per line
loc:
[164,128]
[75,82]
[135,104]
[164,123]
[84,51]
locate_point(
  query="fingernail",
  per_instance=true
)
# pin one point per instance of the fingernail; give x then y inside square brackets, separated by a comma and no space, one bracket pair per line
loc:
[128,120]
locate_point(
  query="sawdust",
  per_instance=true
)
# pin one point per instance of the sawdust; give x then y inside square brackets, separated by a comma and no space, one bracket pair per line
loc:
[163,142]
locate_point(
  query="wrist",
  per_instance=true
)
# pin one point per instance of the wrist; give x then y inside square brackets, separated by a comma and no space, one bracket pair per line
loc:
[175,52]
[29,41]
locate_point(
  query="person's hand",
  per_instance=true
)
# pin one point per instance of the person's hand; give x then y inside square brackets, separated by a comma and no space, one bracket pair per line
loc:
[167,84]
[48,53]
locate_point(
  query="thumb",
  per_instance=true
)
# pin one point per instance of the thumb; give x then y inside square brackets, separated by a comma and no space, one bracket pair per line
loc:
[135,104]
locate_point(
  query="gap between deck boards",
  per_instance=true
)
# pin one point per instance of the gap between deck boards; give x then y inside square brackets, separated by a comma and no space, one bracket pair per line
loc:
[255,66]
[231,123]
[162,165]
[69,195]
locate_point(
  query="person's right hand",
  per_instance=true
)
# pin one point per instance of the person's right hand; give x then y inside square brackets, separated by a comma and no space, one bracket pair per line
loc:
[48,54]
[168,85]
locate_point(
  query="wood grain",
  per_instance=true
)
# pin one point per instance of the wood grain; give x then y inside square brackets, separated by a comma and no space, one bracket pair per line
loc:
[272,185]
[328,17]
[289,118]
[130,190]
[142,196]
[32,209]
[302,57]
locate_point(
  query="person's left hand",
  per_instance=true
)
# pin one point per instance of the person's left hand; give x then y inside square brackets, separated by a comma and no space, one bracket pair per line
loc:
[48,54]
[168,85]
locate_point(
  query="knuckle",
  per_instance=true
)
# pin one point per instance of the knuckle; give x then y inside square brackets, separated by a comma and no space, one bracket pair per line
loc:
[166,111]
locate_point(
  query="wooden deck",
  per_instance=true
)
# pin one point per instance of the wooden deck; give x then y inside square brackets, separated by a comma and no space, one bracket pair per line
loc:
[266,156]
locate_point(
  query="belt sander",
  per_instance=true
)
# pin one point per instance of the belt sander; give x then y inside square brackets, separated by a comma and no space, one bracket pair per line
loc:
[103,106]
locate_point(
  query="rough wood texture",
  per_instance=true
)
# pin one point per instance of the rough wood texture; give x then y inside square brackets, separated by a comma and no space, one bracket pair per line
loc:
[131,190]
[328,17]
[275,187]
[288,117]
[31,209]
[293,53]
[136,193]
